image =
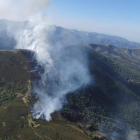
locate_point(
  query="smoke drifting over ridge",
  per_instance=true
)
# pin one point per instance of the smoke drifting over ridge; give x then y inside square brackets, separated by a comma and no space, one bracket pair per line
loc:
[65,69]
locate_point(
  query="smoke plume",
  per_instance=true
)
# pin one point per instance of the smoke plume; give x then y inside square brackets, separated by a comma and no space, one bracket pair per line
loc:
[132,135]
[63,69]
[21,10]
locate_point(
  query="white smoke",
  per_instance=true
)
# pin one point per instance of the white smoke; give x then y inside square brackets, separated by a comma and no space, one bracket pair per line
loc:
[20,10]
[65,69]
[133,135]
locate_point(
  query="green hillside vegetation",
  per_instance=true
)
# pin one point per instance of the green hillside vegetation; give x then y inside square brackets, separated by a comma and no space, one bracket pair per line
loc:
[13,74]
[107,109]
[113,103]
[15,118]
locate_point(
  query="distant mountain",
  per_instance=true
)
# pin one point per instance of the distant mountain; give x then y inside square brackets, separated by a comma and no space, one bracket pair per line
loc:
[120,53]
[63,36]
[72,37]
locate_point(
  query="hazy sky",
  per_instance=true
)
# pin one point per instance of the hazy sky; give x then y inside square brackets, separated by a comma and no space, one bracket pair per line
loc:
[113,17]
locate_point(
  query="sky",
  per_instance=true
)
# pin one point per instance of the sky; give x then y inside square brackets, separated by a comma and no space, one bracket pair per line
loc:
[112,17]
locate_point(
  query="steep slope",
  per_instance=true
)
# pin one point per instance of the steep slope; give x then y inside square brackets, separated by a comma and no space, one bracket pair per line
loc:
[107,109]
[15,104]
[112,104]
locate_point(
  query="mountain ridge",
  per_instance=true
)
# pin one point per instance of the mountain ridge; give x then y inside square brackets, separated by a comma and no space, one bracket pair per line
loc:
[63,36]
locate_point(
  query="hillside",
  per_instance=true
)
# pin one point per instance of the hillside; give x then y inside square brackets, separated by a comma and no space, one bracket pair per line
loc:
[15,102]
[107,109]
[112,104]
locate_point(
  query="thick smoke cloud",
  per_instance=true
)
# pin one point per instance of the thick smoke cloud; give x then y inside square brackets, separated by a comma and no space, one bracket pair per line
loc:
[65,69]
[62,69]
[21,10]
[132,135]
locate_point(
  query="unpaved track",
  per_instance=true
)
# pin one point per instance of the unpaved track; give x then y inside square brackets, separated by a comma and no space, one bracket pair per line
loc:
[32,124]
